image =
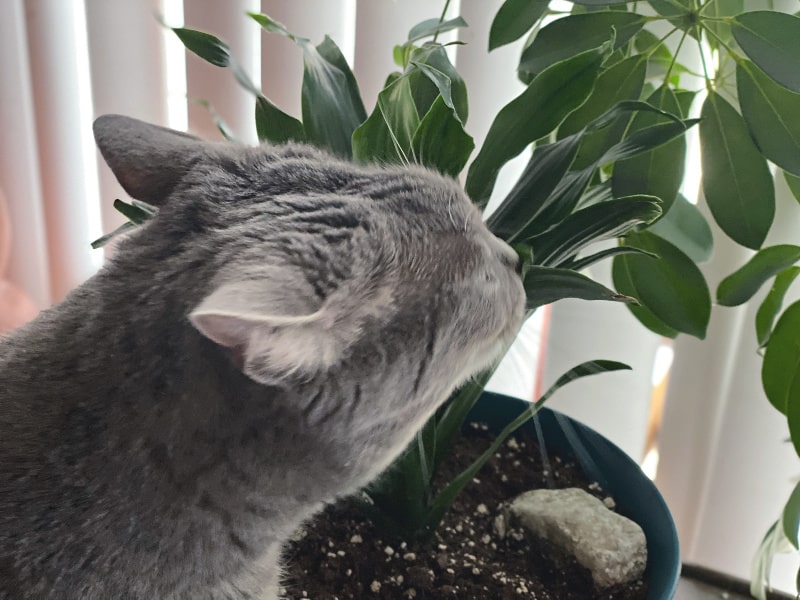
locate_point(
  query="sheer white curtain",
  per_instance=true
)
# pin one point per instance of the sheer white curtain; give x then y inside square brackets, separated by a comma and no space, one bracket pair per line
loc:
[63,62]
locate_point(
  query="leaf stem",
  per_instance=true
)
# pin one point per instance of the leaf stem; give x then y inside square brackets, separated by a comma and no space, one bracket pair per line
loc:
[675,56]
[657,45]
[705,68]
[733,54]
[441,19]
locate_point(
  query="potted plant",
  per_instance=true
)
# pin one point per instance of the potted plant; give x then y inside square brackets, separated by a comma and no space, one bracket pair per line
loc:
[605,110]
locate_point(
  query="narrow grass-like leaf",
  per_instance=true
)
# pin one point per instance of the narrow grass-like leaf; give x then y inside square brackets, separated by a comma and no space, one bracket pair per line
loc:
[544,104]
[514,19]
[770,112]
[780,371]
[772,303]
[769,38]
[736,179]
[685,227]
[446,497]
[124,228]
[592,224]
[565,37]
[440,141]
[544,285]
[646,139]
[658,172]
[587,261]
[742,285]
[672,287]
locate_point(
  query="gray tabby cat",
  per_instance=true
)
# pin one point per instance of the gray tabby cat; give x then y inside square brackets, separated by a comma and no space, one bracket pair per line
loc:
[270,341]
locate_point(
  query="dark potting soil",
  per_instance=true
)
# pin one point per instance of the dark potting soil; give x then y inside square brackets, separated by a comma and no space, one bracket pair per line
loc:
[342,556]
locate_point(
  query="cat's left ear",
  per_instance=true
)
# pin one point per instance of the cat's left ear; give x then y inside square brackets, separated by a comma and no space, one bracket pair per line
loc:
[274,326]
[146,159]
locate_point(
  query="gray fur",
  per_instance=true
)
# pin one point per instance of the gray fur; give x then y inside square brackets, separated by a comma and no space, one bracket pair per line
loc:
[269,342]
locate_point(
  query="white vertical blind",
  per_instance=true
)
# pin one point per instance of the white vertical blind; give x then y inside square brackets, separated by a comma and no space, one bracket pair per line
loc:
[19,163]
[126,53]
[214,84]
[62,125]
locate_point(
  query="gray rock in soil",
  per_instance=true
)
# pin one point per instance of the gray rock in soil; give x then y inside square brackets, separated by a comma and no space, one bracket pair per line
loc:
[612,547]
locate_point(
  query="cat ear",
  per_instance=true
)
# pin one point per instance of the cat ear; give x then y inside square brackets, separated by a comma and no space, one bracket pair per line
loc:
[146,159]
[273,327]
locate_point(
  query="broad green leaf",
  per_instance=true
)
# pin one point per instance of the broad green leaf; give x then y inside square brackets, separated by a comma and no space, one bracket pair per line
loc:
[440,141]
[544,285]
[569,35]
[274,125]
[770,112]
[772,303]
[685,227]
[560,203]
[790,519]
[514,19]
[529,196]
[658,172]
[330,101]
[770,40]
[436,75]
[743,284]
[672,287]
[592,224]
[206,46]
[780,371]
[794,184]
[646,139]
[431,27]
[385,137]
[716,9]
[544,104]
[736,179]
[623,282]
[446,497]
[623,81]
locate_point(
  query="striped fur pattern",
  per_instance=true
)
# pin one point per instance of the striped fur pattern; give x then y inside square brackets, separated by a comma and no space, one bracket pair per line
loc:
[269,342]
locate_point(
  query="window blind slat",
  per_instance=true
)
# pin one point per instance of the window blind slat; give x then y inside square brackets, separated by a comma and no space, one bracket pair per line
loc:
[19,163]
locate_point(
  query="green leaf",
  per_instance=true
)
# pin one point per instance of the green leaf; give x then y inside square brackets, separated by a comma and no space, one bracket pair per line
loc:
[624,283]
[102,241]
[658,172]
[743,284]
[770,112]
[736,179]
[386,136]
[772,304]
[646,139]
[529,196]
[273,26]
[587,261]
[623,81]
[446,497]
[136,212]
[780,371]
[794,184]
[544,285]
[206,46]
[431,27]
[685,227]
[680,11]
[591,224]
[440,141]
[433,67]
[672,287]
[544,104]
[274,125]
[569,35]
[790,520]
[774,543]
[770,38]
[220,124]
[514,19]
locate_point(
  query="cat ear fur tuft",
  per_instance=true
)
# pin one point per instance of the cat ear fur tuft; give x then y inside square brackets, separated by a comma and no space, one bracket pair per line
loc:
[267,323]
[146,159]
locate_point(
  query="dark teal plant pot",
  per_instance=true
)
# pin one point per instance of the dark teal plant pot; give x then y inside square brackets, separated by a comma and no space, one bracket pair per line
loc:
[636,496]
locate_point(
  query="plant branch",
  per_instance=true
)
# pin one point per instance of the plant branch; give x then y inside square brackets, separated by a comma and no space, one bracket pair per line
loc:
[675,57]
[733,54]
[705,68]
[441,19]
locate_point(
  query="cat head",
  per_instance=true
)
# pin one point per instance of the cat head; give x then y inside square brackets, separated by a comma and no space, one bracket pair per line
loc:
[318,263]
